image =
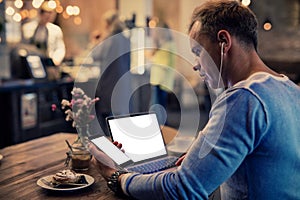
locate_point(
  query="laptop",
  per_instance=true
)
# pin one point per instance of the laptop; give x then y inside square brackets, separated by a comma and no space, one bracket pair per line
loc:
[142,140]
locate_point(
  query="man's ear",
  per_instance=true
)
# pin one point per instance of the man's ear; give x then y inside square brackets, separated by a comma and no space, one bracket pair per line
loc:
[224,39]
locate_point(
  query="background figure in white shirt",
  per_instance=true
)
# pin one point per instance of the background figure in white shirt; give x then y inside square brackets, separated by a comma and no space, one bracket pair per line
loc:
[45,35]
[162,72]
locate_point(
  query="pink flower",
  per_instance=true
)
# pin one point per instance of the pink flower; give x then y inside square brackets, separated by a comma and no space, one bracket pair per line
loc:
[79,108]
[91,117]
[53,107]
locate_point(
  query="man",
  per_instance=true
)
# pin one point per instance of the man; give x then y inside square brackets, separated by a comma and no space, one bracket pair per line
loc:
[113,58]
[45,35]
[250,145]
[162,70]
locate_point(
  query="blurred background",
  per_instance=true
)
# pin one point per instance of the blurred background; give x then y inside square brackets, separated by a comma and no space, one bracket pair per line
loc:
[279,24]
[82,23]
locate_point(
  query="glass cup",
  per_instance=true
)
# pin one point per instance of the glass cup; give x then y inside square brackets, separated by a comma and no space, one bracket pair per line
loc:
[80,159]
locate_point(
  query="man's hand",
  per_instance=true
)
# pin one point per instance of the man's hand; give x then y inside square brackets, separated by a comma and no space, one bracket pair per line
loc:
[104,163]
[179,161]
[119,145]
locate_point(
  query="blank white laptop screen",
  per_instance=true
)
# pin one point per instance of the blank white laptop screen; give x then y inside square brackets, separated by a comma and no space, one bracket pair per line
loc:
[140,136]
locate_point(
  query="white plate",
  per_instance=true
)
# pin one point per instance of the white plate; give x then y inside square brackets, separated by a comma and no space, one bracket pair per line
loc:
[1,157]
[88,178]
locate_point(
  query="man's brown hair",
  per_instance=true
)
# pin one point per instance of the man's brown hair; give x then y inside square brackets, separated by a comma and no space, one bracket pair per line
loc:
[232,16]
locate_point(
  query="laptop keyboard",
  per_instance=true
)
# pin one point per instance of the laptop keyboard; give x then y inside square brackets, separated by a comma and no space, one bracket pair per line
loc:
[154,166]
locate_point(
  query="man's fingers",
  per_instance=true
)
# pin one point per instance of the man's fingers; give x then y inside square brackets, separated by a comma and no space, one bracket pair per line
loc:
[179,161]
[119,145]
[100,156]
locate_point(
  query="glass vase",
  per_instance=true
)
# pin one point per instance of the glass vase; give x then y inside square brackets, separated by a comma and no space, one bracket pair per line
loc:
[80,156]
[83,134]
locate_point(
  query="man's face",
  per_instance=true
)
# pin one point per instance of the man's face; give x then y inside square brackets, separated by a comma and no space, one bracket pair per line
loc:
[46,16]
[206,54]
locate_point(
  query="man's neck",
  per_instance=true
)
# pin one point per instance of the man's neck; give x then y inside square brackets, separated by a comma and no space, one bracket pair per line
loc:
[42,23]
[247,64]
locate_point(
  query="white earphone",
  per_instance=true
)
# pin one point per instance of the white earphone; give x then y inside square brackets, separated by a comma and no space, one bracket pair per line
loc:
[221,64]
[222,48]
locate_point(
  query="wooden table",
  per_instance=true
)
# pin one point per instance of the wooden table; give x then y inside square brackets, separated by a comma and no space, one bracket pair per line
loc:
[23,164]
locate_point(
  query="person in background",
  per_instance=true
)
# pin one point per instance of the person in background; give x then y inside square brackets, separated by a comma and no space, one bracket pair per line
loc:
[45,35]
[84,58]
[162,70]
[250,145]
[94,39]
[113,57]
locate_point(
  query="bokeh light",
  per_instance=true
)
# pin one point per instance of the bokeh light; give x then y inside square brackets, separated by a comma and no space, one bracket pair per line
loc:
[267,26]
[17,17]
[77,20]
[18,3]
[37,3]
[10,11]
[246,2]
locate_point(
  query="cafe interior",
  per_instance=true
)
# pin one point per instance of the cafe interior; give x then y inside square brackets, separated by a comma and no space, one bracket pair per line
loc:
[35,138]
